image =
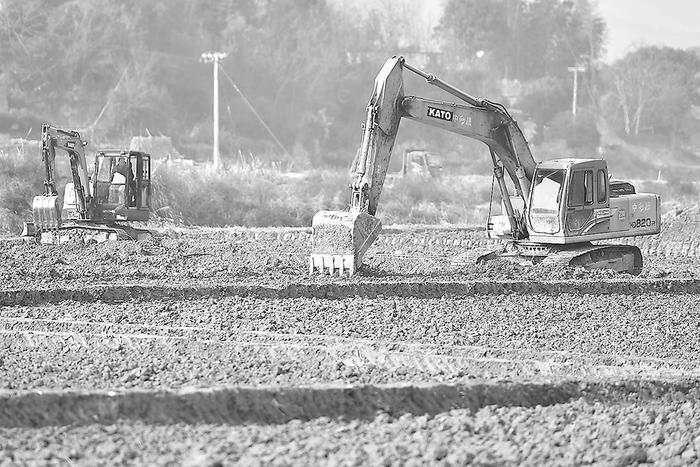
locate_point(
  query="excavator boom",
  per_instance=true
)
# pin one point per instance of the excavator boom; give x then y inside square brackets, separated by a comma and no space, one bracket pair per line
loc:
[46,208]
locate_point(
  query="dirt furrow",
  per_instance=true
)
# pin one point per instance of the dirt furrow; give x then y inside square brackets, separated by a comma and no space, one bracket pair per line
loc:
[276,256]
[274,404]
[342,290]
[294,341]
[579,432]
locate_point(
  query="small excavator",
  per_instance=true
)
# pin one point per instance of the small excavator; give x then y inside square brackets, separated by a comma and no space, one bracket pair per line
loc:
[419,162]
[557,209]
[119,190]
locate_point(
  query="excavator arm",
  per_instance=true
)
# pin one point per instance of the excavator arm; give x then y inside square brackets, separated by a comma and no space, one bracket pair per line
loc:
[46,208]
[341,238]
[479,119]
[498,131]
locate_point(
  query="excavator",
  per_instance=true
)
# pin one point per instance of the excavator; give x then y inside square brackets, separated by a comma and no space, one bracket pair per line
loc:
[419,162]
[556,210]
[119,190]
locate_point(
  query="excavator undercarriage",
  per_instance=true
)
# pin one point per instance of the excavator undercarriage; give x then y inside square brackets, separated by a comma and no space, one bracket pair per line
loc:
[619,258]
[88,232]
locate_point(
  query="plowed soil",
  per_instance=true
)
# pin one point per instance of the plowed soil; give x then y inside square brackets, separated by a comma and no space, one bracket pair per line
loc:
[195,309]
[573,433]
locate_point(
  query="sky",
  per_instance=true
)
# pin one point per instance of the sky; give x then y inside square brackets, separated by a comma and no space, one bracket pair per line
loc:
[634,23]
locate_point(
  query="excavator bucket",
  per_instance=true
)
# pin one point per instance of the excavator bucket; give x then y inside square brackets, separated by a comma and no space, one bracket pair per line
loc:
[340,239]
[46,211]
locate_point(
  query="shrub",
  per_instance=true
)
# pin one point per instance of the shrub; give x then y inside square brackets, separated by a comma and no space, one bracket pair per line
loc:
[253,193]
[271,197]
[246,196]
[21,178]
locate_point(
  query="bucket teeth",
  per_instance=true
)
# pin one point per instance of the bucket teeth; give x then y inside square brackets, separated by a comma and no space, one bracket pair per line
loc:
[340,239]
[331,263]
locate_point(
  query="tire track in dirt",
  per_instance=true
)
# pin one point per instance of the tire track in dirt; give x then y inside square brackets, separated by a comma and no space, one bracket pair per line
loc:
[649,325]
[154,355]
[369,351]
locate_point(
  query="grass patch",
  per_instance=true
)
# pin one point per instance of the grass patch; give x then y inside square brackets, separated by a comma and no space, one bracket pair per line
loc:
[273,197]
[21,178]
[258,195]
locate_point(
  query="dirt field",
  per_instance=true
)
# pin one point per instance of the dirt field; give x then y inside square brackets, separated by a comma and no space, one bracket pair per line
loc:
[212,346]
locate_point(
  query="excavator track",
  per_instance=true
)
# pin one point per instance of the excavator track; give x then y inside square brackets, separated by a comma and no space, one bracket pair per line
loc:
[619,258]
[85,231]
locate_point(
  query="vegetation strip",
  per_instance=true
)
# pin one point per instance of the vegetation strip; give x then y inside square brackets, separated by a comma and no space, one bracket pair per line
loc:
[118,293]
[271,405]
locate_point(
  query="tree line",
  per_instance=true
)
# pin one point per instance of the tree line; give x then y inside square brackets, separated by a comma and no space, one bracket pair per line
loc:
[125,67]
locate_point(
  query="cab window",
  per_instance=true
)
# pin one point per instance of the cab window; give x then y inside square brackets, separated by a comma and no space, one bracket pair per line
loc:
[105,169]
[602,187]
[581,188]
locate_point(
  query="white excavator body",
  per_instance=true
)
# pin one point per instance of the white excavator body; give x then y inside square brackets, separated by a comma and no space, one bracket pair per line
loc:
[559,207]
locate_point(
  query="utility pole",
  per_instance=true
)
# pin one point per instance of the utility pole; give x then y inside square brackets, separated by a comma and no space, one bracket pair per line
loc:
[215,58]
[575,70]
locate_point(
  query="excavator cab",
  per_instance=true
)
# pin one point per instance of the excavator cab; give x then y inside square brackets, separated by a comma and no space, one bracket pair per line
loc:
[590,205]
[122,185]
[574,201]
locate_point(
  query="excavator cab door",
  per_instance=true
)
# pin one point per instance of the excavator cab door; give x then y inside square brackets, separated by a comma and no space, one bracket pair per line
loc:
[142,164]
[579,200]
[587,209]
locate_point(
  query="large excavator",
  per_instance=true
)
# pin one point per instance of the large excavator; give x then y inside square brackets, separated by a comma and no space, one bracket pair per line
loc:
[119,190]
[558,207]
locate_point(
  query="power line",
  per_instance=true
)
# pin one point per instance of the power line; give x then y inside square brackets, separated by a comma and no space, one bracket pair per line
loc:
[110,98]
[257,115]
